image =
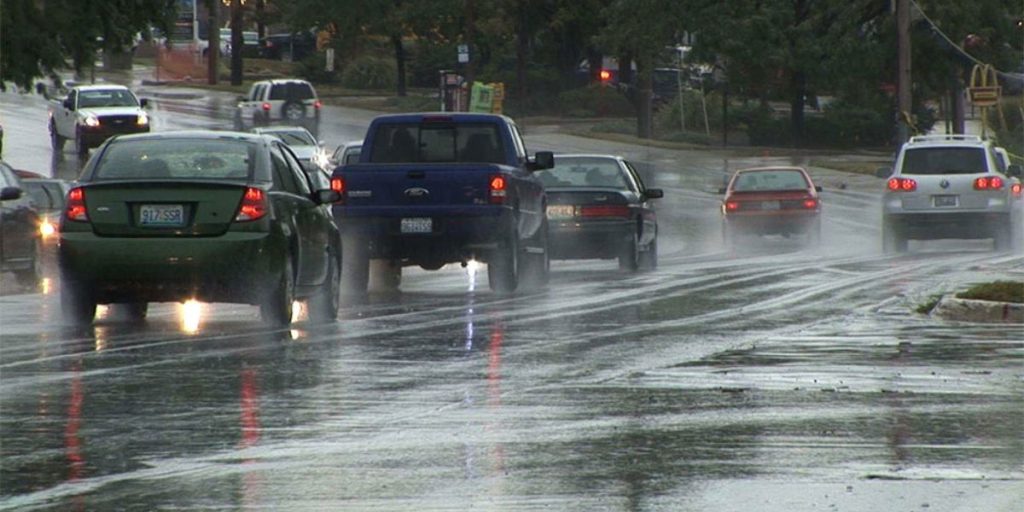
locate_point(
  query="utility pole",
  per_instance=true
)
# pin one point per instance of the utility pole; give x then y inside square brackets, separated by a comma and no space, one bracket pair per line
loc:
[213,43]
[236,41]
[903,82]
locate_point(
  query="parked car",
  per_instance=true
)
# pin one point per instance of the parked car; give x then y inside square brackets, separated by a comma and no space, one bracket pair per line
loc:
[211,216]
[598,207]
[771,201]
[287,101]
[307,149]
[19,236]
[949,186]
[347,153]
[288,46]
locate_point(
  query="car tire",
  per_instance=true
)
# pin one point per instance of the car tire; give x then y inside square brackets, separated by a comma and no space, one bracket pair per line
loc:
[629,254]
[56,141]
[77,303]
[385,275]
[535,264]
[892,241]
[503,265]
[649,258]
[293,111]
[276,307]
[355,266]
[323,307]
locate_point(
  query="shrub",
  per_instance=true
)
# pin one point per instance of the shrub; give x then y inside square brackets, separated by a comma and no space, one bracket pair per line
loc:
[595,100]
[621,126]
[369,73]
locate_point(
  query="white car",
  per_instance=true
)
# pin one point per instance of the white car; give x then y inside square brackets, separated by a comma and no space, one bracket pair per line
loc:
[287,101]
[347,153]
[950,186]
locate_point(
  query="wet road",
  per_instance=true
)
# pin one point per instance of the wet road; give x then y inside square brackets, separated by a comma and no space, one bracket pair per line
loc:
[772,378]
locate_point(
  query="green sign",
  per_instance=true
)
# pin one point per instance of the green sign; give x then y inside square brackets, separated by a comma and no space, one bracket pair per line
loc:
[482,98]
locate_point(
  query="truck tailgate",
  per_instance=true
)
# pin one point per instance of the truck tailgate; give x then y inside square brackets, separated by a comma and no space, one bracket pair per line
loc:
[416,186]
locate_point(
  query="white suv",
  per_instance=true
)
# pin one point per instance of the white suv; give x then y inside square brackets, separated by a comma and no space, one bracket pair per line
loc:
[284,101]
[950,186]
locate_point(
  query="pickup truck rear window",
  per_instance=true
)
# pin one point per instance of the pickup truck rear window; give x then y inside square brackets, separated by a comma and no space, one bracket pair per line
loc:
[437,142]
[944,161]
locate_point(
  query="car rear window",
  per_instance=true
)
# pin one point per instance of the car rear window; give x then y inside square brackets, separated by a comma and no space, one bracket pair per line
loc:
[584,172]
[185,159]
[754,181]
[292,91]
[944,161]
[292,137]
[437,142]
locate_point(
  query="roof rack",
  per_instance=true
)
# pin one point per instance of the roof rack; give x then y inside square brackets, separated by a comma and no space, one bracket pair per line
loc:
[948,136]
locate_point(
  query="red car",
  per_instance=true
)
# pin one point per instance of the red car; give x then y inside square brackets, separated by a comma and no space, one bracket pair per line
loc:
[771,201]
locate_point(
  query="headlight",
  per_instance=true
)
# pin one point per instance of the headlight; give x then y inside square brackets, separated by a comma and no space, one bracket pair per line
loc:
[92,121]
[143,119]
[47,229]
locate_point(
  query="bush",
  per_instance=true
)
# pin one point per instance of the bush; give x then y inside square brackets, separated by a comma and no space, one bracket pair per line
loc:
[369,73]
[314,69]
[595,100]
[621,126]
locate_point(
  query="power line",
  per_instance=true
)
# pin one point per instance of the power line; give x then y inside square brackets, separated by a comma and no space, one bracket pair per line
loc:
[939,31]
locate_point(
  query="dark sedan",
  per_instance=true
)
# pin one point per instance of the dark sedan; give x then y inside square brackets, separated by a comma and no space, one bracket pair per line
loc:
[771,201]
[598,207]
[209,216]
[19,236]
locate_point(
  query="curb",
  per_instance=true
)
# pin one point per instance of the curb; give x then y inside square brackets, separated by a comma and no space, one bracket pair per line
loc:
[986,311]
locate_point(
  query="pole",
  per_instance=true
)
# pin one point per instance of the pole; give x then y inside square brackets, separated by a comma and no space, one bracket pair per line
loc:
[213,43]
[903,78]
[679,92]
[236,37]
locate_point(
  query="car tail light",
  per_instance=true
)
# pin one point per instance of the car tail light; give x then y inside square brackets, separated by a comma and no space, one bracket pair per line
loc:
[988,183]
[732,206]
[902,185]
[499,190]
[317,104]
[253,206]
[75,208]
[266,107]
[810,203]
[338,185]
[1016,189]
[604,210]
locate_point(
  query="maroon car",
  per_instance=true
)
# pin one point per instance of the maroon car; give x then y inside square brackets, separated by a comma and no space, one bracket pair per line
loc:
[771,201]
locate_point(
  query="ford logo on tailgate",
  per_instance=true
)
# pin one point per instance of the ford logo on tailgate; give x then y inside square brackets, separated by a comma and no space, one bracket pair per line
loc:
[417,192]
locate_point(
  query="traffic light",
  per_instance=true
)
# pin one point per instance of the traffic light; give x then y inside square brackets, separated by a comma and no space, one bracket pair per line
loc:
[605,75]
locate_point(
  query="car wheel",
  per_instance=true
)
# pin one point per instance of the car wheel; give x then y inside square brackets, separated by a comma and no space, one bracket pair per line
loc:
[386,275]
[130,311]
[535,262]
[276,307]
[77,303]
[649,258]
[629,255]
[355,266]
[56,141]
[323,307]
[892,242]
[293,110]
[502,267]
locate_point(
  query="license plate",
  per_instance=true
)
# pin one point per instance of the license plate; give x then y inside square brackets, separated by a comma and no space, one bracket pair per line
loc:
[161,215]
[417,225]
[945,201]
[561,211]
[769,205]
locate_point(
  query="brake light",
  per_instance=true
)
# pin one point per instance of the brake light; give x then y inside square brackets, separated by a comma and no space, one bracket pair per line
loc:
[902,185]
[266,107]
[253,206]
[1016,189]
[731,206]
[317,104]
[604,210]
[811,203]
[338,185]
[75,209]
[988,183]
[498,189]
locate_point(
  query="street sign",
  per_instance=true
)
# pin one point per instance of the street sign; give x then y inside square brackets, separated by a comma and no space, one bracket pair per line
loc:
[463,53]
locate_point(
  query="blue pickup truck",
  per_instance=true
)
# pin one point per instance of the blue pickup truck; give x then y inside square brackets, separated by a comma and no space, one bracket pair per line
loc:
[437,188]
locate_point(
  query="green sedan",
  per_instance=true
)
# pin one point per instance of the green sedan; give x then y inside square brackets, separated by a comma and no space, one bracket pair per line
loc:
[198,215]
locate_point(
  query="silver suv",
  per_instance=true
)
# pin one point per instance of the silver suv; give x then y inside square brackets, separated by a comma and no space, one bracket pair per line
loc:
[283,101]
[950,186]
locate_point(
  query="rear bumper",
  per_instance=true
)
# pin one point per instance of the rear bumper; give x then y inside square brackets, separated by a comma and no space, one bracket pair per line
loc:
[235,267]
[933,226]
[570,240]
[779,223]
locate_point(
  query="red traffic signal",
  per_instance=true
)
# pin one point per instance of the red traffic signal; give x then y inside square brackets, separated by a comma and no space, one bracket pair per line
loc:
[604,75]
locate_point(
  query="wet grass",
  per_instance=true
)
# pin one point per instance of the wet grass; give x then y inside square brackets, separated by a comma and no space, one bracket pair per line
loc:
[1000,291]
[929,305]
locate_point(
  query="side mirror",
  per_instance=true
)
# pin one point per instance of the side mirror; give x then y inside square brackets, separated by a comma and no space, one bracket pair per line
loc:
[543,160]
[1015,171]
[9,193]
[654,193]
[68,104]
[883,172]
[326,196]
[144,102]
